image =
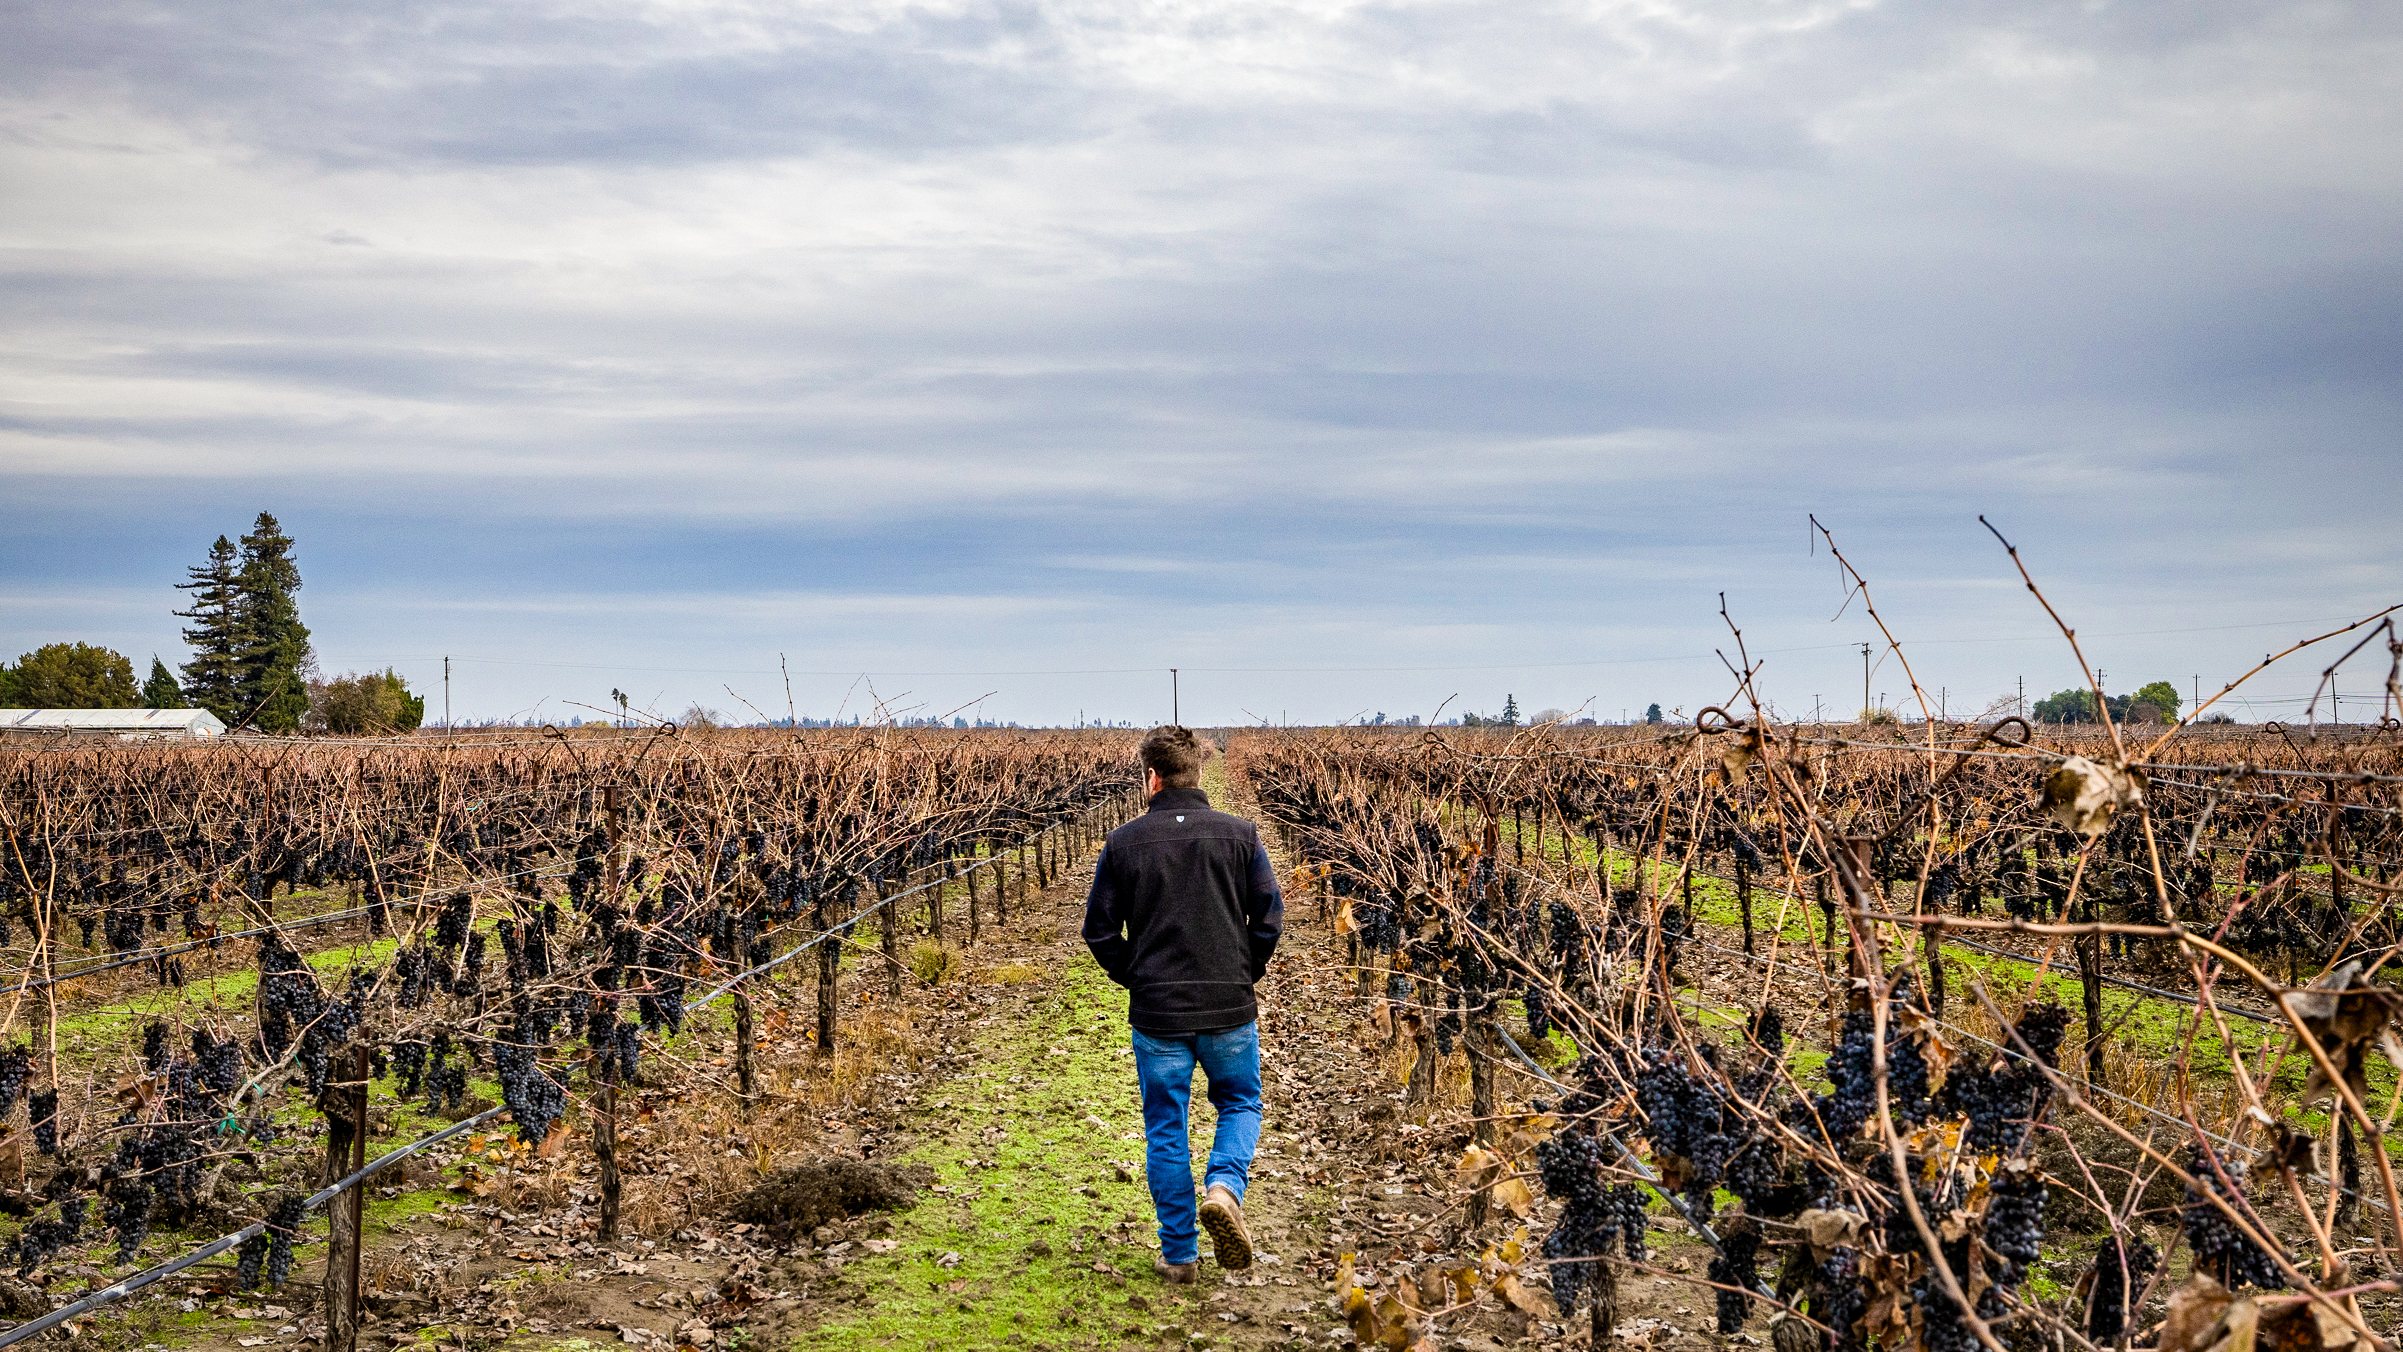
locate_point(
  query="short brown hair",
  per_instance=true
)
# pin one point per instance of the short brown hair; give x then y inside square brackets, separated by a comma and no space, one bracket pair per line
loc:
[1175,755]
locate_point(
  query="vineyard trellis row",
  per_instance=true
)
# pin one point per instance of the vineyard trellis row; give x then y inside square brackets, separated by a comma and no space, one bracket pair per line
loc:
[681,862]
[1963,1129]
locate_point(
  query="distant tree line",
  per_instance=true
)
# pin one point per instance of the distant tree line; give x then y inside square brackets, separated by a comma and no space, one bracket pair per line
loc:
[252,663]
[2155,703]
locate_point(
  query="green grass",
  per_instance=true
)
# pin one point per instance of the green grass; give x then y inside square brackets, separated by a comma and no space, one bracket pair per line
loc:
[996,1219]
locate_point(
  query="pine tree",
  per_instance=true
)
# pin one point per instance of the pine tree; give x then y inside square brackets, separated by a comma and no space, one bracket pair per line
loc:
[161,691]
[1510,712]
[274,660]
[212,679]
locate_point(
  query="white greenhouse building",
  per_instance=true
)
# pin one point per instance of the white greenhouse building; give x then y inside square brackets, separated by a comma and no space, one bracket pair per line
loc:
[127,724]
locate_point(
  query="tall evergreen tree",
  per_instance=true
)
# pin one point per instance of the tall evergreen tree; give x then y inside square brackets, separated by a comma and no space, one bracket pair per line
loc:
[161,691]
[212,679]
[274,659]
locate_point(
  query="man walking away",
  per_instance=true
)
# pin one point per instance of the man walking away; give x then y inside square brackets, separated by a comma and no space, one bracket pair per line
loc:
[1184,913]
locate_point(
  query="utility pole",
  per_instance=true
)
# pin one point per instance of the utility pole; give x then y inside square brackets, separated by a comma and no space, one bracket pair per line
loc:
[2021,707]
[1175,711]
[446,697]
[1814,711]
[1864,682]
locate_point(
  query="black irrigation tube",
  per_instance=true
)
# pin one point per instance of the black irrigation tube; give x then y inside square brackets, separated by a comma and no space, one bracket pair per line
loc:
[2238,1010]
[217,1246]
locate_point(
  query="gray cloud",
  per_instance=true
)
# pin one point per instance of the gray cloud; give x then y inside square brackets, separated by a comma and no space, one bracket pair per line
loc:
[1247,335]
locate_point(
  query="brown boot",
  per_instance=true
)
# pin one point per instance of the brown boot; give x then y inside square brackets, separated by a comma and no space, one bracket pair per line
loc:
[1222,1216]
[1176,1274]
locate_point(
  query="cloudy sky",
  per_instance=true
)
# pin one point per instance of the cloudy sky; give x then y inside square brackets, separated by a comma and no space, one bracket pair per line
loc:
[1349,356]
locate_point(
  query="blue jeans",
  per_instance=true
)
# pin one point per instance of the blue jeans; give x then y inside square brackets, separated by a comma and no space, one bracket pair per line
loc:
[1164,1067]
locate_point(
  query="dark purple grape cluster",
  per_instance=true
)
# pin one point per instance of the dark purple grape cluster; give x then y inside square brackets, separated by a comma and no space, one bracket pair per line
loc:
[1539,1016]
[1734,1267]
[446,1088]
[1906,1079]
[629,1051]
[2219,1247]
[43,1238]
[410,968]
[249,1258]
[1592,1214]
[2014,1229]
[127,1201]
[1943,1328]
[288,997]
[1757,1176]
[534,1099]
[1850,1071]
[220,1062]
[452,923]
[1571,1164]
[154,1047]
[1684,1113]
[1839,1299]
[409,1063]
[43,1108]
[1768,1031]
[471,969]
[284,1224]
[16,1067]
[330,1029]
[2119,1274]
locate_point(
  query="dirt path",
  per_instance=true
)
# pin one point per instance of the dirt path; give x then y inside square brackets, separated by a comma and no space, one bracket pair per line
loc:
[1037,1230]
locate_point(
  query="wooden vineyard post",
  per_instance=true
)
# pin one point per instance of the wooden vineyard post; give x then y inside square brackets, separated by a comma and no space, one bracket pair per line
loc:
[891,937]
[1001,887]
[1481,1046]
[830,956]
[604,1145]
[1743,872]
[743,1084]
[345,1154]
[934,902]
[973,870]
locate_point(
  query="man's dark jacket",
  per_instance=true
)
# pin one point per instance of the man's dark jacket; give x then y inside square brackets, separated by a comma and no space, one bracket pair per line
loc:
[1184,913]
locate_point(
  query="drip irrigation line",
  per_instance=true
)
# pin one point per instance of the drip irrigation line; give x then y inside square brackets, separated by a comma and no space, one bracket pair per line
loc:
[214,1247]
[2238,1010]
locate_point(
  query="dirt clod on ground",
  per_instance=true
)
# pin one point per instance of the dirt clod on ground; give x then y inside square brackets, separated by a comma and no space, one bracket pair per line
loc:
[797,1200]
